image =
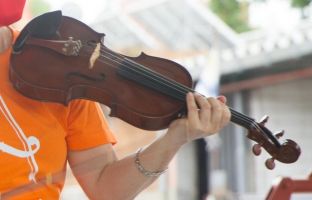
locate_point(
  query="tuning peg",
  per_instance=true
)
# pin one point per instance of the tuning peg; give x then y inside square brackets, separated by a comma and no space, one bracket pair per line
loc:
[270,164]
[264,120]
[279,134]
[256,149]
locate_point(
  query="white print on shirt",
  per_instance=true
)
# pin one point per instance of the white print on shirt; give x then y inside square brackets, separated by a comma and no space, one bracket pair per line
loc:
[28,143]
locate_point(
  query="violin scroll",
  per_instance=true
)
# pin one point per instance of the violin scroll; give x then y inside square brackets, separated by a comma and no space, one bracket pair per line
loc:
[286,152]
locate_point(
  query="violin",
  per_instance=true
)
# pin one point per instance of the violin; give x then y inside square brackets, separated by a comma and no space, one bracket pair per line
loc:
[57,58]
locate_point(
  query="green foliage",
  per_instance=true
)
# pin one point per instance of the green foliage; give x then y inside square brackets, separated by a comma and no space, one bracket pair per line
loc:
[300,3]
[38,7]
[232,12]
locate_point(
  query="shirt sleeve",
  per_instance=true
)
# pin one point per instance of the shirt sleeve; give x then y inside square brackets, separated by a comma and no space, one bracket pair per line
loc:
[87,126]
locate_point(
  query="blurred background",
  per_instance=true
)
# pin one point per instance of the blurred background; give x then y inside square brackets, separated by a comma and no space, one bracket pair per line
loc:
[258,53]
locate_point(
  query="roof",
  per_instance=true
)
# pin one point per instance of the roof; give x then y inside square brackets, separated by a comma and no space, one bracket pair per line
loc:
[262,55]
[181,30]
[175,25]
[261,48]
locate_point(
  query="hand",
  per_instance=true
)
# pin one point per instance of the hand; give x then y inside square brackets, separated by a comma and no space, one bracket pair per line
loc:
[5,38]
[203,120]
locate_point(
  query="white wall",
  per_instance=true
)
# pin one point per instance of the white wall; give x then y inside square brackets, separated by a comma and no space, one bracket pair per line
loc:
[289,106]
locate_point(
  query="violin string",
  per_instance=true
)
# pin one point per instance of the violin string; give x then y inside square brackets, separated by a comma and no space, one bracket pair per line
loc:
[161,80]
[250,122]
[134,64]
[243,120]
[148,71]
[178,87]
[174,85]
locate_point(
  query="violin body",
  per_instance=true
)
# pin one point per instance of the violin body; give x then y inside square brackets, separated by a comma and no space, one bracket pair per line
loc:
[58,59]
[55,77]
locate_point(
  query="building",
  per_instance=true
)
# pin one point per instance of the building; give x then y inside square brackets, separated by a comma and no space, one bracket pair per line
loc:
[269,75]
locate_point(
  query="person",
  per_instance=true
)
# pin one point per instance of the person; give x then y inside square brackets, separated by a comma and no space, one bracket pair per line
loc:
[38,138]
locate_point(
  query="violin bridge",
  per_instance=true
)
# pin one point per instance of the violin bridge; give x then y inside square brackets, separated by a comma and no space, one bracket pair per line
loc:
[95,55]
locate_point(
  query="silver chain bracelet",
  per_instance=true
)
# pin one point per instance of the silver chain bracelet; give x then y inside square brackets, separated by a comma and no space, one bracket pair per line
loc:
[142,169]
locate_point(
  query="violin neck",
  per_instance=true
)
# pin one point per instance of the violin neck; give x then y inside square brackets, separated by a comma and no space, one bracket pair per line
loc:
[241,119]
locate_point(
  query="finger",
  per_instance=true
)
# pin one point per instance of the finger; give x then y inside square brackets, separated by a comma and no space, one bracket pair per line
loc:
[192,110]
[216,112]
[205,108]
[222,99]
[226,116]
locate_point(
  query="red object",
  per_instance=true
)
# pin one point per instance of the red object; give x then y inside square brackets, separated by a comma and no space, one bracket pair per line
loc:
[287,186]
[11,11]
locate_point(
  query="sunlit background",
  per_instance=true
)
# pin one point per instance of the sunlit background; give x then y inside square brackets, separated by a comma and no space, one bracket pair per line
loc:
[256,52]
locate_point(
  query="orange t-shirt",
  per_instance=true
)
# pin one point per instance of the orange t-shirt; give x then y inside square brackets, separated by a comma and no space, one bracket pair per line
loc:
[35,138]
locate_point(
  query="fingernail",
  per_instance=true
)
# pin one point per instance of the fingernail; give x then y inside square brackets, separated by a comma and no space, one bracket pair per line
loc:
[222,98]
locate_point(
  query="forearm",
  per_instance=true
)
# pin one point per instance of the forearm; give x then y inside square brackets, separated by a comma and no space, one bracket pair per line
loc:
[122,179]
[102,176]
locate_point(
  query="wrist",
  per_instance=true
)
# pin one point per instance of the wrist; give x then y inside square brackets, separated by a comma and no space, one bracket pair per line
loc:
[174,139]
